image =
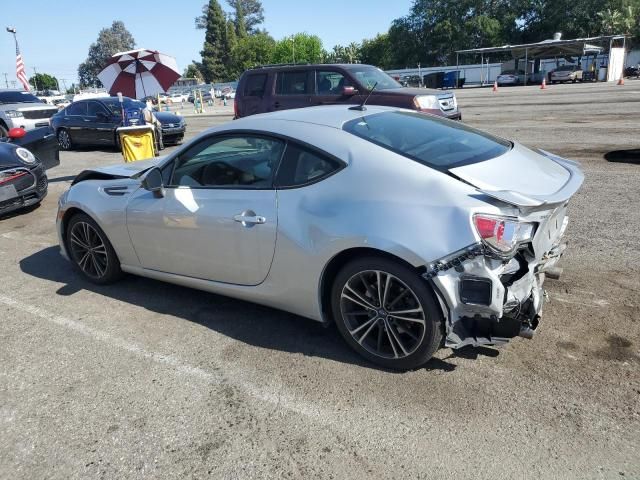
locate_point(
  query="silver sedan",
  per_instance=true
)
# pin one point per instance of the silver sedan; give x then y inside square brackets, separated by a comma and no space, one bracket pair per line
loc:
[409,231]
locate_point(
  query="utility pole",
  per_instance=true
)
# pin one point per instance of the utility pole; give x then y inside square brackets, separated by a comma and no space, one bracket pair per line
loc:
[6,81]
[35,78]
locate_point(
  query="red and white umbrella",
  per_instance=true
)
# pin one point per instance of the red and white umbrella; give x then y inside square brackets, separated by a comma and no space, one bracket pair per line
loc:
[139,73]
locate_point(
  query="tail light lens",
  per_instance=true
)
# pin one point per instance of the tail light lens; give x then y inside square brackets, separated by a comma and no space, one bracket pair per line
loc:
[502,234]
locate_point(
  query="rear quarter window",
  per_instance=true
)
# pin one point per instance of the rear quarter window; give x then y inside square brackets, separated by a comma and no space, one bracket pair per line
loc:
[255,85]
[430,140]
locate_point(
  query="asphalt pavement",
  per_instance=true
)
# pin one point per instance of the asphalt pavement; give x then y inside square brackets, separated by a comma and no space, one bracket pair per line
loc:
[148,380]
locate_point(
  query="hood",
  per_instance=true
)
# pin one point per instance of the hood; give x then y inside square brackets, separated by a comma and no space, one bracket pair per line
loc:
[27,106]
[410,92]
[123,170]
[8,157]
[167,117]
[524,178]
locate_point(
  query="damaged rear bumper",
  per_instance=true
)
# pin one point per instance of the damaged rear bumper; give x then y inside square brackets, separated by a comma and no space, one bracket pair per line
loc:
[489,300]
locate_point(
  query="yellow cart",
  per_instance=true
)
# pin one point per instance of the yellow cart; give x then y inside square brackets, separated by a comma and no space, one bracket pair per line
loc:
[137,142]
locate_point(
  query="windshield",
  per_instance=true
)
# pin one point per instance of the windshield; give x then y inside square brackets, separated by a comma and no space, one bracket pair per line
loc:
[114,105]
[369,76]
[18,97]
[430,140]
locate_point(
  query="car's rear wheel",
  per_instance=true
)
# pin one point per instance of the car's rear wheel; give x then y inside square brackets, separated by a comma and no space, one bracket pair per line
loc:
[90,250]
[387,313]
[64,139]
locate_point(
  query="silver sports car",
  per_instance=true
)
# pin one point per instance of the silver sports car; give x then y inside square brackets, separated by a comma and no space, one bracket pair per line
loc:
[408,231]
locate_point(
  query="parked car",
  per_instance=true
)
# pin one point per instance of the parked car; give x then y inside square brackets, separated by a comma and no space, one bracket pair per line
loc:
[510,77]
[23,110]
[411,81]
[632,71]
[177,98]
[94,122]
[23,181]
[566,73]
[268,89]
[412,230]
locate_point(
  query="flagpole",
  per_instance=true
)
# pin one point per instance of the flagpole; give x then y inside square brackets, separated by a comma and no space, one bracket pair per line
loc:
[25,83]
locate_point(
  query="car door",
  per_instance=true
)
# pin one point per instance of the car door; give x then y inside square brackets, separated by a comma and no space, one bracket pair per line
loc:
[293,89]
[329,85]
[99,126]
[218,218]
[74,121]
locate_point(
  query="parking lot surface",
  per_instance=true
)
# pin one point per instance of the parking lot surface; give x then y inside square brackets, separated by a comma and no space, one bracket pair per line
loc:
[148,380]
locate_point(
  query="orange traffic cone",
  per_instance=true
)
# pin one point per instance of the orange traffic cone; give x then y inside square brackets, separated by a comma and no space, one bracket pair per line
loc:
[621,81]
[495,86]
[543,85]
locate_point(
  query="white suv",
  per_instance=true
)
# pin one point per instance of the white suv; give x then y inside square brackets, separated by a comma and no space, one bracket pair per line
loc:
[23,109]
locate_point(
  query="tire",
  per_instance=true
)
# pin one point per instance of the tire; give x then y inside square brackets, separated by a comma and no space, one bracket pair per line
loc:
[4,133]
[403,341]
[64,139]
[100,265]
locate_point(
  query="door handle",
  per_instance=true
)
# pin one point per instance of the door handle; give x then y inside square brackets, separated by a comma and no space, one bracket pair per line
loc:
[249,219]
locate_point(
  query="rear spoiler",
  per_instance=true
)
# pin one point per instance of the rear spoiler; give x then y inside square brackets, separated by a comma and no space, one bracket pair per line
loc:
[576,178]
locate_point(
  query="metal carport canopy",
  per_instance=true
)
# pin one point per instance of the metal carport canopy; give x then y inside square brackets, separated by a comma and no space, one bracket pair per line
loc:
[546,48]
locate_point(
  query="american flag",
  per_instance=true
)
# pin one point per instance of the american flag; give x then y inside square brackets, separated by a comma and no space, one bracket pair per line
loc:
[20,69]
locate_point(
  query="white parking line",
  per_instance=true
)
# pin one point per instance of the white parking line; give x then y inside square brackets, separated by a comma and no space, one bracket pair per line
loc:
[232,377]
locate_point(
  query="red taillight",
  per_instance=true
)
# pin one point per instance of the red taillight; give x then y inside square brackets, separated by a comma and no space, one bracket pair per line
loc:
[502,234]
[486,226]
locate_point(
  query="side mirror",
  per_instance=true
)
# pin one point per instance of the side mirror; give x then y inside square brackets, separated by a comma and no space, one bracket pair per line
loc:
[349,91]
[152,181]
[16,133]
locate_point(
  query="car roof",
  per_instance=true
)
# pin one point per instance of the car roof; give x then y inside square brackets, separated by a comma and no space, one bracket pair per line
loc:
[301,66]
[327,115]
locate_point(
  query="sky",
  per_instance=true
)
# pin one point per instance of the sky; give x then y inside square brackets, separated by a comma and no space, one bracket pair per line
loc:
[56,39]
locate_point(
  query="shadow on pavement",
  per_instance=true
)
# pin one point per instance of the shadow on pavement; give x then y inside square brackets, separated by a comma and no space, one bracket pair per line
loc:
[623,156]
[247,322]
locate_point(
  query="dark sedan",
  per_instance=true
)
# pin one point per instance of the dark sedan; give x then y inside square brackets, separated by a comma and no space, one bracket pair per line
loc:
[23,181]
[94,122]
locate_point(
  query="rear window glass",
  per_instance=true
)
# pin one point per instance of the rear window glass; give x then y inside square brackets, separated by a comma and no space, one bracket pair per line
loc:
[428,139]
[255,85]
[292,83]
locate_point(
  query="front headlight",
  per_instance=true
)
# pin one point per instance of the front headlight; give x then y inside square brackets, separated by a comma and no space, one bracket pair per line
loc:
[502,234]
[14,114]
[26,156]
[426,102]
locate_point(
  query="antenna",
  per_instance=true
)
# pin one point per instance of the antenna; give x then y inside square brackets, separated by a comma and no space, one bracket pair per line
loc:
[361,107]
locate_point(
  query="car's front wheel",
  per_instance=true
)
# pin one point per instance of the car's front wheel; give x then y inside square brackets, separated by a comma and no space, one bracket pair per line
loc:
[64,139]
[90,250]
[387,313]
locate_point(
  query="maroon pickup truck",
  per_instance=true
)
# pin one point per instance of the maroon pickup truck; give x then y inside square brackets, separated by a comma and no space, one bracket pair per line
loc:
[282,87]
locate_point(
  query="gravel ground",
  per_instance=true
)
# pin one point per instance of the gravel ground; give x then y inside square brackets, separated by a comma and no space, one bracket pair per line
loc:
[147,380]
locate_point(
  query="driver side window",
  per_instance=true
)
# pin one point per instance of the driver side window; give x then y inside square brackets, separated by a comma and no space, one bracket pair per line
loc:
[239,161]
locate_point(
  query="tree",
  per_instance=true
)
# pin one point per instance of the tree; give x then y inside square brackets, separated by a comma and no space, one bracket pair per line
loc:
[44,81]
[110,41]
[252,13]
[253,50]
[192,71]
[298,48]
[214,23]
[239,21]
[376,51]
